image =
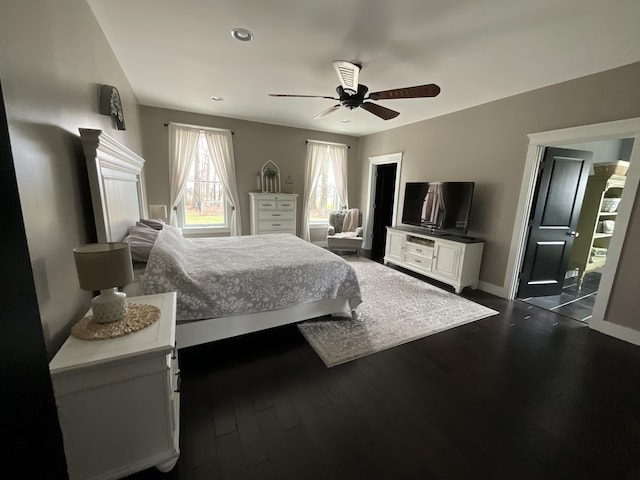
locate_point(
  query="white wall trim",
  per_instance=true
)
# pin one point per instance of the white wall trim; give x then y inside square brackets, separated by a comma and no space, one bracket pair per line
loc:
[537,143]
[368,220]
[617,331]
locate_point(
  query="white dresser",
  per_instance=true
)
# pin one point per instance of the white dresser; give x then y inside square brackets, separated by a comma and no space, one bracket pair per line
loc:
[118,399]
[273,213]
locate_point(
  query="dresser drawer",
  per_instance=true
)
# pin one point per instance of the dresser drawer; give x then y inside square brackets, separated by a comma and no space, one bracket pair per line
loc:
[276,226]
[419,250]
[285,204]
[275,215]
[266,204]
[418,261]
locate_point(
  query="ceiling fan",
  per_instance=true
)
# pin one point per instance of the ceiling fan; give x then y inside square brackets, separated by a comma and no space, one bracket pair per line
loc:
[352,95]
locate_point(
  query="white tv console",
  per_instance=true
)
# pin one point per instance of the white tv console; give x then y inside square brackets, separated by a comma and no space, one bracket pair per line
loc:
[448,258]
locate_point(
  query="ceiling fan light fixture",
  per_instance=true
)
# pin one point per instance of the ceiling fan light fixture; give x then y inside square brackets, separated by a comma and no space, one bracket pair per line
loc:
[348,73]
[242,34]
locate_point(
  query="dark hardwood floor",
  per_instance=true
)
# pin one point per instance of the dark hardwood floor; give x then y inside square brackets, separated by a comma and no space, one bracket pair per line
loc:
[526,394]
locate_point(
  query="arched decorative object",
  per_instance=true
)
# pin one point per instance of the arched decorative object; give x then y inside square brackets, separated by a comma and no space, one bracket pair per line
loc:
[111,104]
[270,177]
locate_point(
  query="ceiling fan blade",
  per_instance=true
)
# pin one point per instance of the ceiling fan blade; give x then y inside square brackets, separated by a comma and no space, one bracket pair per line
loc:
[420,91]
[348,73]
[327,112]
[301,96]
[382,112]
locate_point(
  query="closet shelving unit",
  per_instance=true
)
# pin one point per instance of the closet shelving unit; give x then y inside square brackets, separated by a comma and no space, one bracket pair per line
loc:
[594,209]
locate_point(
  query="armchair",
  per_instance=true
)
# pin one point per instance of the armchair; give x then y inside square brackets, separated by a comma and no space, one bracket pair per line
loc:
[345,230]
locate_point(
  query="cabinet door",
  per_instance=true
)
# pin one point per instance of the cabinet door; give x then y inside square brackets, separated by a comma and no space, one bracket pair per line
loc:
[446,260]
[395,246]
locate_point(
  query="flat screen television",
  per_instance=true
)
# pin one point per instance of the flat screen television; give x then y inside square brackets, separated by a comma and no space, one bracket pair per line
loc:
[438,206]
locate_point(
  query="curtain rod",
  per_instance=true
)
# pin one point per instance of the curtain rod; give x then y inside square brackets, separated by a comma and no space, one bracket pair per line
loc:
[197,127]
[328,143]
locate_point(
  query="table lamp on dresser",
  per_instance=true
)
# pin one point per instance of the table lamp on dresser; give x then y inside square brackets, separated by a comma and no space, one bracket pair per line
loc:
[158,212]
[104,267]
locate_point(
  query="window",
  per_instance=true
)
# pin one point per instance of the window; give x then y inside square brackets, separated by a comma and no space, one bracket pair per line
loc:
[325,184]
[203,206]
[325,197]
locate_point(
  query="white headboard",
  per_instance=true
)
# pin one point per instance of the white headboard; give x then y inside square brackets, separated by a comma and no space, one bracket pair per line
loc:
[116,182]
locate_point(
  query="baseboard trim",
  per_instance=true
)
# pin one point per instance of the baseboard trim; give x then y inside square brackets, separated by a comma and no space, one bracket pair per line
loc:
[493,289]
[620,332]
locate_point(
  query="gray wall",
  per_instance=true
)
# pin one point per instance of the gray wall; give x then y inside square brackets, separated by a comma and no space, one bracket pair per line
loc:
[487,144]
[623,302]
[253,144]
[53,57]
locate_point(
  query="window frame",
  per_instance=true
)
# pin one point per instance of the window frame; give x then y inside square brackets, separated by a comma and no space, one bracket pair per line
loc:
[196,229]
[325,223]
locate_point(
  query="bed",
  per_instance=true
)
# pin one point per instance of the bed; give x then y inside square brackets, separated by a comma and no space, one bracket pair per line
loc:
[304,280]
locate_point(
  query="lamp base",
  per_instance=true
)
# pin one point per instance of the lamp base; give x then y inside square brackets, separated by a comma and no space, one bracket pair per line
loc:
[109,306]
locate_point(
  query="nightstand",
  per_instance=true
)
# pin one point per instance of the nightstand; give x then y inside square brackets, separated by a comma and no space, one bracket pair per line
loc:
[118,399]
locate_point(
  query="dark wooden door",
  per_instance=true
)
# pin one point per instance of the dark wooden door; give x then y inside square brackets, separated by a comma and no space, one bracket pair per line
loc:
[554,218]
[29,417]
[383,207]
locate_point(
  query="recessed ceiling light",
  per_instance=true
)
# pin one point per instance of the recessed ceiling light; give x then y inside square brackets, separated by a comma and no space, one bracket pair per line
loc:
[215,98]
[242,34]
[346,121]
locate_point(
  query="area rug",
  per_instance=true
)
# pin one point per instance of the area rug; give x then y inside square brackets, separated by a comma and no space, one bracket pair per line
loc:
[396,308]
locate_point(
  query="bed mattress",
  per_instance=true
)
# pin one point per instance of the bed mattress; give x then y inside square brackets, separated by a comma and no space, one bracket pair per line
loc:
[217,277]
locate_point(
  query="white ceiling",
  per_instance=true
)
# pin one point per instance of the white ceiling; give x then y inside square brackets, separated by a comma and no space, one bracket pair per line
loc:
[177,54]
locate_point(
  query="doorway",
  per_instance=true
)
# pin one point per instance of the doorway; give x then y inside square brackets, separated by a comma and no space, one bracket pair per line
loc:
[572,221]
[382,201]
[382,208]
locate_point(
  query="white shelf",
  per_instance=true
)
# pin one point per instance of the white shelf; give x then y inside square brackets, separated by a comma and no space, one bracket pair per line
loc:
[598,189]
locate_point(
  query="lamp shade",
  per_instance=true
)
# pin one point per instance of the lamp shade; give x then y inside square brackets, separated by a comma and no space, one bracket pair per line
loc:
[103,265]
[158,211]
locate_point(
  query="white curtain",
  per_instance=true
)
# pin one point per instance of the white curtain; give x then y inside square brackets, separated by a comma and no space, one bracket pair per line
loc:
[338,155]
[183,142]
[221,149]
[317,153]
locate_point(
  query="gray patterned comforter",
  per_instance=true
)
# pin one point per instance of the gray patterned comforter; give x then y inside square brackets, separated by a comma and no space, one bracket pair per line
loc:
[216,277]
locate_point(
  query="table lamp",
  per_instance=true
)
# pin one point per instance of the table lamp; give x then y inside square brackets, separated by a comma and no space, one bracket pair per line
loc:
[105,266]
[158,212]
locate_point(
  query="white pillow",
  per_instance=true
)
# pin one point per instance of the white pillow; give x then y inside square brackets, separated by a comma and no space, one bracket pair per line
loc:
[141,240]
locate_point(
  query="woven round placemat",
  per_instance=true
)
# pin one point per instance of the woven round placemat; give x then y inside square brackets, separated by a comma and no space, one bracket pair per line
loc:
[138,317]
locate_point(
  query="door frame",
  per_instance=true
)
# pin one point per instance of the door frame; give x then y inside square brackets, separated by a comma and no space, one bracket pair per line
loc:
[629,128]
[371,192]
